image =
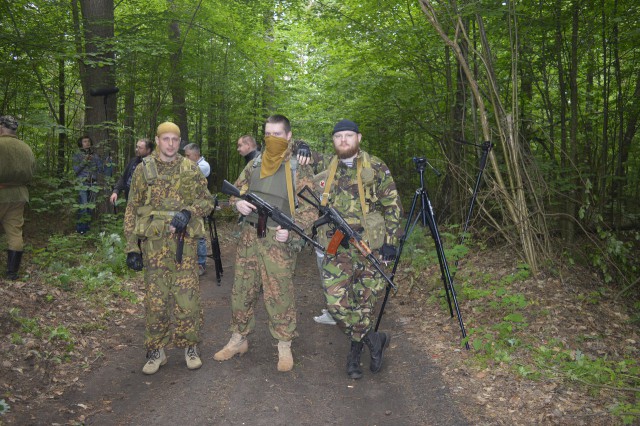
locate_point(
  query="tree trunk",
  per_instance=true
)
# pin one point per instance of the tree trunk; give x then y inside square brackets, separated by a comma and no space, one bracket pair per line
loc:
[566,225]
[604,150]
[97,70]
[176,81]
[456,179]
[129,136]
[62,125]
[518,194]
[571,208]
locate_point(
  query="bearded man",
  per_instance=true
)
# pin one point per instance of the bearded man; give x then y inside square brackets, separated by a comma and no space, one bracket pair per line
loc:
[360,187]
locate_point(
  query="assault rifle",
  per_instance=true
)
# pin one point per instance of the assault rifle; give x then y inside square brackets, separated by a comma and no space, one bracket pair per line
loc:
[343,233]
[266,210]
[215,243]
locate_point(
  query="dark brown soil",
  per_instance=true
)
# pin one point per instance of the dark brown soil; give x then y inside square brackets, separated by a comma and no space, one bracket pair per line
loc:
[428,377]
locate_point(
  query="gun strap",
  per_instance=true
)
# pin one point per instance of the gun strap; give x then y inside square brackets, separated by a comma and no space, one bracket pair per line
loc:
[290,194]
[333,168]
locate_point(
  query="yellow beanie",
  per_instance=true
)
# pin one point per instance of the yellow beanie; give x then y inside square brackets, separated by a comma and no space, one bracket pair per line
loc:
[168,127]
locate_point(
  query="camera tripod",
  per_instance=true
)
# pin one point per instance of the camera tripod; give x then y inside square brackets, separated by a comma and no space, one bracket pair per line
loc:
[426,217]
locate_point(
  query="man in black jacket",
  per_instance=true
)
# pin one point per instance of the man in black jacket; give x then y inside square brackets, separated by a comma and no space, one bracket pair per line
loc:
[144,147]
[248,148]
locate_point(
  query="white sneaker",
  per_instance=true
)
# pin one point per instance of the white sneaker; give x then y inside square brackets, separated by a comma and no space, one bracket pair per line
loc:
[192,358]
[201,270]
[155,358]
[325,318]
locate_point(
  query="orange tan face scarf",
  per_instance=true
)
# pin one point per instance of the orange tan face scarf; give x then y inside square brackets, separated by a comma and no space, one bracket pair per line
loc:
[273,155]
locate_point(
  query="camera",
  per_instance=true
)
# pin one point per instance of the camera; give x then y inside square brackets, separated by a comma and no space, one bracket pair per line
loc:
[421,162]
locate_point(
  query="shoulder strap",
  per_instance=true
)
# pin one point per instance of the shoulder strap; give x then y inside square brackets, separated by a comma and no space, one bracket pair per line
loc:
[150,170]
[150,173]
[363,162]
[333,167]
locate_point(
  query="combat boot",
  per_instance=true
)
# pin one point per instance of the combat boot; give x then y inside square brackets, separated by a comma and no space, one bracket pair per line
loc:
[377,343]
[238,344]
[285,359]
[13,264]
[155,358]
[353,360]
[193,359]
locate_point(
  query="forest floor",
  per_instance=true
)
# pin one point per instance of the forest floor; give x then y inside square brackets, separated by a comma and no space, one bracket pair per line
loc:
[67,358]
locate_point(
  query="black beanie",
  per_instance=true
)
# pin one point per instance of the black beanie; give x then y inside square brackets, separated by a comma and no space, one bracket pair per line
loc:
[345,125]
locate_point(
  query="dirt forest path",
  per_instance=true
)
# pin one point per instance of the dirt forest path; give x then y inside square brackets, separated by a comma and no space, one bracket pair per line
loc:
[248,390]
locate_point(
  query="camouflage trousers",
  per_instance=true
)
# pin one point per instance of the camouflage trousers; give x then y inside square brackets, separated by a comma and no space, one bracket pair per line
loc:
[172,290]
[266,263]
[351,288]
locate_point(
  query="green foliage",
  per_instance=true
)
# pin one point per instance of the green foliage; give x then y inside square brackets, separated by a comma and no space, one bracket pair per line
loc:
[94,263]
[4,407]
[628,412]
[498,342]
[27,325]
[574,365]
[420,249]
[51,194]
[31,326]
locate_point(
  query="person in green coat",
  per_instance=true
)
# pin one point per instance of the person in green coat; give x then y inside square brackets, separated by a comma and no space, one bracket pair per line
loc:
[17,167]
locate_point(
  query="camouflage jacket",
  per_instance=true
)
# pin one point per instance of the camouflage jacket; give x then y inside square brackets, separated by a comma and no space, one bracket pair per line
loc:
[380,194]
[305,214]
[178,186]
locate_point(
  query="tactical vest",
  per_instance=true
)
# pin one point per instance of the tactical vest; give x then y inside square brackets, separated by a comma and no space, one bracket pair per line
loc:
[371,219]
[153,218]
[272,189]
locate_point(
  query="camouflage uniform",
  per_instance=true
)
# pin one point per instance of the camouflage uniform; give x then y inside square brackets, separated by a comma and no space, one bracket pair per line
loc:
[152,203]
[266,263]
[351,284]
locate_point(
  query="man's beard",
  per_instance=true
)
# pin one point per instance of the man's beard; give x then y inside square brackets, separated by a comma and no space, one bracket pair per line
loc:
[348,152]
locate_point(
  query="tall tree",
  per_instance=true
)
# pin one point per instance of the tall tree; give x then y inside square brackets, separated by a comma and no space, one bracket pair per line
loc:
[177,83]
[94,43]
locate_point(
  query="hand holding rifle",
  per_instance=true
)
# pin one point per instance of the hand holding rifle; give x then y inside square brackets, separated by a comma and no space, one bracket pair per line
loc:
[178,226]
[251,202]
[343,233]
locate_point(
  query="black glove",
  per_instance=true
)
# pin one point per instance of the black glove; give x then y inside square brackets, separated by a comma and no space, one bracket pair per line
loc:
[303,150]
[134,261]
[388,252]
[180,220]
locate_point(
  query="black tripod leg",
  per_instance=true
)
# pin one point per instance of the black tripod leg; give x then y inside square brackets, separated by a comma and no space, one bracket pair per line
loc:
[483,162]
[407,228]
[444,268]
[428,219]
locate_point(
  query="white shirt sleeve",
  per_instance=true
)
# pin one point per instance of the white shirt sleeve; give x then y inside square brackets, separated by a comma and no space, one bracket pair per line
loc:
[205,168]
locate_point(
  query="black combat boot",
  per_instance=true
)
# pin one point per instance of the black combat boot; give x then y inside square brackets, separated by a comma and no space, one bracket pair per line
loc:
[353,360]
[377,343]
[13,263]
